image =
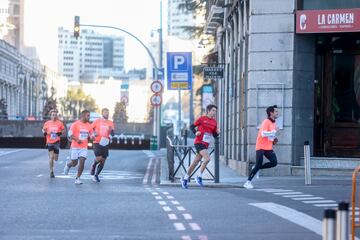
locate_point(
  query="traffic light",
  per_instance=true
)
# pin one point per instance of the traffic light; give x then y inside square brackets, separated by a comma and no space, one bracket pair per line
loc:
[77,27]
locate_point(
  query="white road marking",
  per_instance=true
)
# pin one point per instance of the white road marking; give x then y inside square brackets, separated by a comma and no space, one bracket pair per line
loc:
[288,193]
[179,226]
[3,153]
[181,208]
[162,202]
[175,202]
[153,179]
[272,190]
[195,226]
[203,237]
[326,205]
[147,173]
[167,209]
[319,201]
[185,238]
[172,216]
[154,193]
[170,197]
[158,197]
[40,175]
[187,216]
[292,215]
[165,193]
[302,195]
[308,198]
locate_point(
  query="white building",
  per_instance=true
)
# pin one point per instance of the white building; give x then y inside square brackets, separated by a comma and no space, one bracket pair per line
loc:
[178,19]
[83,58]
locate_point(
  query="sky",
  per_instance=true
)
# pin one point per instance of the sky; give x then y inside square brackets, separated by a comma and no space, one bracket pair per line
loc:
[140,17]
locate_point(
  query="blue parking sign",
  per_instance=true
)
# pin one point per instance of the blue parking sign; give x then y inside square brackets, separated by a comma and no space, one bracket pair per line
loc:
[179,70]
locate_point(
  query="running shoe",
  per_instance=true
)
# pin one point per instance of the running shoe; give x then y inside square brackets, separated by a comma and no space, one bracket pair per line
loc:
[95,178]
[92,170]
[248,185]
[52,175]
[78,181]
[199,182]
[184,183]
[66,169]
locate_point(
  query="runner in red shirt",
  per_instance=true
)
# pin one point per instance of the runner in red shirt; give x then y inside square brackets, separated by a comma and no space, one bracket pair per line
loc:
[52,130]
[266,138]
[103,128]
[80,133]
[204,129]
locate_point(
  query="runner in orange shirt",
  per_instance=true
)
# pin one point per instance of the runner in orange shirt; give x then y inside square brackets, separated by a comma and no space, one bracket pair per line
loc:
[103,128]
[80,133]
[52,130]
[266,138]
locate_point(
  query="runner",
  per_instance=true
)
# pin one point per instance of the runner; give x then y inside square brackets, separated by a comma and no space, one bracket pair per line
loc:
[203,128]
[52,130]
[103,128]
[80,132]
[264,144]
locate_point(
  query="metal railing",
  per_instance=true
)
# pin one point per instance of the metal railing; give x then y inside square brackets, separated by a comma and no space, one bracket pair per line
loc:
[353,203]
[177,152]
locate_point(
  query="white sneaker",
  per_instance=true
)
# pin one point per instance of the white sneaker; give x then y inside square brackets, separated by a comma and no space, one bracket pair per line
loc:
[78,181]
[257,175]
[248,185]
[66,169]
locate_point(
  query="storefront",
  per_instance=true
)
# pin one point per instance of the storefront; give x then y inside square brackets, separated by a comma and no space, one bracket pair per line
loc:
[336,37]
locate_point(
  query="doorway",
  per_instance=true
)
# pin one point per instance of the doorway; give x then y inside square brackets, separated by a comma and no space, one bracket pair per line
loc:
[337,96]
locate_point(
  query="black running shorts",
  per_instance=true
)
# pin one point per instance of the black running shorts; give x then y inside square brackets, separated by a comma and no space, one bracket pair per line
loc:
[101,151]
[53,147]
[199,147]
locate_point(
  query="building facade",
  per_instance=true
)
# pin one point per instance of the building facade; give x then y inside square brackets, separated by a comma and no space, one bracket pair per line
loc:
[178,19]
[81,59]
[311,75]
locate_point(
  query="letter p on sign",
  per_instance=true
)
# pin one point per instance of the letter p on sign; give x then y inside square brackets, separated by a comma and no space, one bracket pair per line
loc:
[178,60]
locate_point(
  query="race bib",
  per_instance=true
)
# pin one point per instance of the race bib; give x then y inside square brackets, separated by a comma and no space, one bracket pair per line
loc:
[83,135]
[53,135]
[104,141]
[206,138]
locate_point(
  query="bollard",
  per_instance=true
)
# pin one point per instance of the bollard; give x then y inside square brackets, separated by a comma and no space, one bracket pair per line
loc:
[307,163]
[217,160]
[342,221]
[329,224]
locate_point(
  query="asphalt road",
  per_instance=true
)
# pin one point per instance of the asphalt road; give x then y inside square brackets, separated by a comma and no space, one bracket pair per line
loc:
[129,203]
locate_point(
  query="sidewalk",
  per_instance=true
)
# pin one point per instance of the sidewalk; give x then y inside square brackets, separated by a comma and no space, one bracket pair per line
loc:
[231,179]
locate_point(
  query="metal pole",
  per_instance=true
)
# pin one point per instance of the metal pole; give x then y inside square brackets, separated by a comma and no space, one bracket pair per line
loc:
[329,222]
[158,109]
[342,221]
[179,112]
[307,163]
[217,161]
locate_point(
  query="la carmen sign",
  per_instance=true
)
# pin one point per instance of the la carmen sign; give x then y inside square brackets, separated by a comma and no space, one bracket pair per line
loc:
[321,21]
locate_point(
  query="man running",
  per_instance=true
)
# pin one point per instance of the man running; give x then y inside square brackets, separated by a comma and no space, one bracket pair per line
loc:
[266,138]
[103,128]
[204,128]
[52,130]
[80,132]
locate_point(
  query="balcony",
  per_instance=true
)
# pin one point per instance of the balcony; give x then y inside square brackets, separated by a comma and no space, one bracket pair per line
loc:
[214,16]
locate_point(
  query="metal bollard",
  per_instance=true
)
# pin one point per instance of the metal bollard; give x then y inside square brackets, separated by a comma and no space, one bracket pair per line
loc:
[307,163]
[329,224]
[342,221]
[217,161]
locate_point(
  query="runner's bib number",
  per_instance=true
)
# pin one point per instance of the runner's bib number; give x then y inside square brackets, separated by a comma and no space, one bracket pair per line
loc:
[104,141]
[206,138]
[83,135]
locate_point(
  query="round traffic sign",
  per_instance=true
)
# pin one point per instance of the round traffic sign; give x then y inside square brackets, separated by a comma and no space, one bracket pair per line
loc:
[156,100]
[156,87]
[124,99]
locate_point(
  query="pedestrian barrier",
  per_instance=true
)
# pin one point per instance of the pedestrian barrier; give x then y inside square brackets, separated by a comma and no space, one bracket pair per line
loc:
[336,223]
[180,153]
[354,224]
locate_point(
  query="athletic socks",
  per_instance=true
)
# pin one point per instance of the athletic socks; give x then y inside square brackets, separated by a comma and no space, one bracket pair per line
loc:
[186,176]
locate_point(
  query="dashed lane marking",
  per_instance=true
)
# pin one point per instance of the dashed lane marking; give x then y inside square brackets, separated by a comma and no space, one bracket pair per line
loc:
[179,226]
[308,198]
